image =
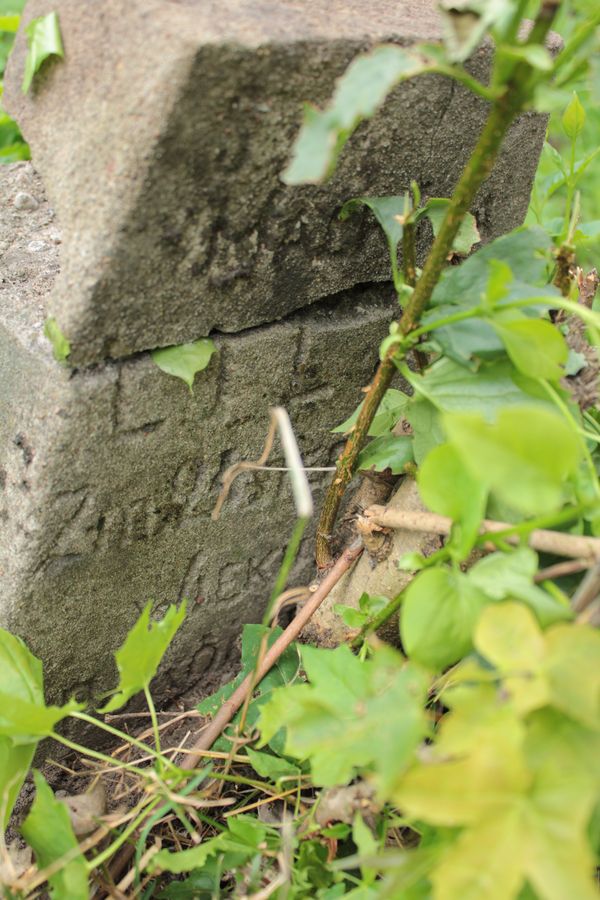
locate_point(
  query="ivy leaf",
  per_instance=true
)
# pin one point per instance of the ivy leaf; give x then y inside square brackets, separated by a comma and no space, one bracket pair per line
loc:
[525,457]
[60,345]
[48,830]
[43,40]
[389,212]
[573,118]
[387,452]
[448,488]
[358,95]
[332,720]
[510,576]
[438,617]
[391,409]
[144,647]
[185,360]
[468,234]
[536,347]
[575,689]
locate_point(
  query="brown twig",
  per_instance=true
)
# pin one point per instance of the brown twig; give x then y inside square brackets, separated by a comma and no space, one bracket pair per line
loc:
[229,708]
[570,567]
[555,542]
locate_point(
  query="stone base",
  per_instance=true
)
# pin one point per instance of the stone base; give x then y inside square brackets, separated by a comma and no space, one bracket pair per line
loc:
[110,473]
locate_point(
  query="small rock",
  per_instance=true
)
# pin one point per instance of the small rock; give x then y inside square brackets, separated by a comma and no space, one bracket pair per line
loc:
[37,246]
[25,201]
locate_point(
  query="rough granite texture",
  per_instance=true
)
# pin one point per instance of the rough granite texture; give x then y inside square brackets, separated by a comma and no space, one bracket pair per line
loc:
[108,474]
[161,138]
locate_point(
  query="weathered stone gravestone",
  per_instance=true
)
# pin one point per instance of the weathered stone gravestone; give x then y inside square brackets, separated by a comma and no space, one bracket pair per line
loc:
[154,214]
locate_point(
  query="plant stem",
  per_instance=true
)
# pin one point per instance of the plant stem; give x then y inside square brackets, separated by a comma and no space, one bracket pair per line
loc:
[284,570]
[231,706]
[95,754]
[154,719]
[409,255]
[477,170]
[116,732]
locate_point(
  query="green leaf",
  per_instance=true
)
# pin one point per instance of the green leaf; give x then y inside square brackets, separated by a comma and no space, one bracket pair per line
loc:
[60,345]
[536,347]
[48,830]
[268,766]
[448,488]
[24,722]
[525,457]
[43,40]
[504,576]
[388,452]
[358,95]
[537,56]
[244,839]
[573,118]
[438,616]
[389,212]
[185,360]
[527,253]
[454,388]
[21,680]
[391,409]
[332,720]
[144,647]
[468,234]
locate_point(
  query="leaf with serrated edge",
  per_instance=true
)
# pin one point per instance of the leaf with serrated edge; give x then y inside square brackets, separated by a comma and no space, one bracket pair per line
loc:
[144,647]
[332,720]
[388,452]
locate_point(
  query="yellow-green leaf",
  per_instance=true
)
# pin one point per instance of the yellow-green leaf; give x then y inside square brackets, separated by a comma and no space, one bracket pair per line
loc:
[185,360]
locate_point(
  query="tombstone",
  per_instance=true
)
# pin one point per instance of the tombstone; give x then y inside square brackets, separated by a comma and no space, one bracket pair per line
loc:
[153,214]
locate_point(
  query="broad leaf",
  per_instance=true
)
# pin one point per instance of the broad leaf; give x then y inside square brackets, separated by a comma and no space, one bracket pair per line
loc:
[536,347]
[468,233]
[24,722]
[503,576]
[268,766]
[388,452]
[331,721]
[391,409]
[48,830]
[452,388]
[185,360]
[448,488]
[21,681]
[358,95]
[525,457]
[43,40]
[139,657]
[527,252]
[438,617]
